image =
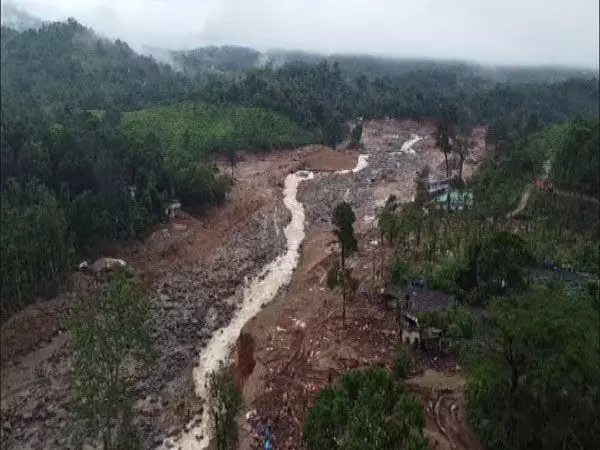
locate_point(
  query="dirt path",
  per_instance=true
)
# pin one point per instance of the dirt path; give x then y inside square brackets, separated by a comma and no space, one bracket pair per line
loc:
[522,203]
[576,195]
[527,193]
[442,397]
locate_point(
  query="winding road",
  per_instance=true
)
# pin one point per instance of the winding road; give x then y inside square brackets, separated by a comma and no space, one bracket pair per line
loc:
[527,193]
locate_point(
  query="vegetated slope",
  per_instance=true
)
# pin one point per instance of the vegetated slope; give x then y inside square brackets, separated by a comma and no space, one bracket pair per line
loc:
[66,63]
[13,17]
[222,58]
[576,163]
[66,187]
[322,96]
[561,227]
[523,152]
[202,128]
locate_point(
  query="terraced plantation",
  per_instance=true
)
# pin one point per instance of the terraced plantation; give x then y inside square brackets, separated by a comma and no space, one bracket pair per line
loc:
[209,128]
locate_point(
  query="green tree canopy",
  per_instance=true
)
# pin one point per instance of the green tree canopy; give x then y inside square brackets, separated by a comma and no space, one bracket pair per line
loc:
[576,163]
[343,220]
[494,264]
[368,410]
[110,338]
[536,382]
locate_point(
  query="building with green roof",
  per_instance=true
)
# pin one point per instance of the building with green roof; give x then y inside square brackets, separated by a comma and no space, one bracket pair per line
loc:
[454,201]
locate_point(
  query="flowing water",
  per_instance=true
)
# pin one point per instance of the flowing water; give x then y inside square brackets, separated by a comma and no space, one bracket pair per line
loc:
[258,292]
[362,163]
[407,146]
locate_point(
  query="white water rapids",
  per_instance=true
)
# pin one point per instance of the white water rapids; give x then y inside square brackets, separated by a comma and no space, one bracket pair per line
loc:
[360,165]
[261,290]
[407,145]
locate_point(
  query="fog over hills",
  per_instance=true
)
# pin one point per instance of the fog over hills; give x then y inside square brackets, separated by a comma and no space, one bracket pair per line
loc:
[561,32]
[13,17]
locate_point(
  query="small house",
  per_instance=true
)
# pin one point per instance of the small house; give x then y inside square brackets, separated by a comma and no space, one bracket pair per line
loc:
[435,185]
[409,304]
[454,201]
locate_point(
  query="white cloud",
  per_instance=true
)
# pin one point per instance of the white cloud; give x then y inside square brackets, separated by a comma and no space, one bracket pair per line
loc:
[505,31]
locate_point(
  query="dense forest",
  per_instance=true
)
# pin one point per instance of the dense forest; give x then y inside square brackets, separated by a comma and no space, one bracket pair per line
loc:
[68,64]
[159,130]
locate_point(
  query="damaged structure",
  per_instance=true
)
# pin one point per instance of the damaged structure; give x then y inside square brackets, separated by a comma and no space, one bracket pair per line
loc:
[454,201]
[409,303]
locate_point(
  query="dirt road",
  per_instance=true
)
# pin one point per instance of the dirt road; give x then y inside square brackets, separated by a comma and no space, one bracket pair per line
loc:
[527,192]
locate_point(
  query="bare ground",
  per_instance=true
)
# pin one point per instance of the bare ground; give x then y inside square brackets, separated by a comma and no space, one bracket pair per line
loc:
[195,269]
[299,342]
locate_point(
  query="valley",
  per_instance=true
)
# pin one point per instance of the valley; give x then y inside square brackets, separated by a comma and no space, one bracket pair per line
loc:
[233,248]
[198,270]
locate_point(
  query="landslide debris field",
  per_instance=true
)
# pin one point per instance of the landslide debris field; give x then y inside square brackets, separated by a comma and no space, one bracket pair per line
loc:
[196,269]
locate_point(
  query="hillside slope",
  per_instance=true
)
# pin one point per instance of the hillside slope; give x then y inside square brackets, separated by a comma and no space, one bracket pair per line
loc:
[201,128]
[66,63]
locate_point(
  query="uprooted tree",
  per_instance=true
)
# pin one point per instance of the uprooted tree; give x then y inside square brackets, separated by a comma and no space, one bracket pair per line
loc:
[339,276]
[111,344]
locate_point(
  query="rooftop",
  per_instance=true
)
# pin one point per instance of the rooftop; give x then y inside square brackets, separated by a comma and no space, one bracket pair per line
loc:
[426,301]
[456,197]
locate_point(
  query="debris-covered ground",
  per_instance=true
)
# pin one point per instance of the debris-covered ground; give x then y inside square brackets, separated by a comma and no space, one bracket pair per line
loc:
[196,269]
[299,342]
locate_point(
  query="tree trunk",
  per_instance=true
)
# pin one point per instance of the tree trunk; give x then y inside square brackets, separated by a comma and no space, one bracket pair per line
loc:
[373,279]
[460,168]
[343,285]
[447,169]
[343,301]
[382,256]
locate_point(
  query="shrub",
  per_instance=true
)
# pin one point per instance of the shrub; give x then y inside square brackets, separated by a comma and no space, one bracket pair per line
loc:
[368,409]
[404,363]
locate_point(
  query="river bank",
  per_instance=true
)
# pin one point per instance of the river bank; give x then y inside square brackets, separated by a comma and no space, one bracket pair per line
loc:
[200,271]
[196,270]
[297,344]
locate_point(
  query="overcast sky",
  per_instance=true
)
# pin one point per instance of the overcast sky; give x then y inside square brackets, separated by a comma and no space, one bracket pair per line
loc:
[498,31]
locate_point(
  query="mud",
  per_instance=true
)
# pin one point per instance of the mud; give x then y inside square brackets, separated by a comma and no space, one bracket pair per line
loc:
[300,342]
[198,270]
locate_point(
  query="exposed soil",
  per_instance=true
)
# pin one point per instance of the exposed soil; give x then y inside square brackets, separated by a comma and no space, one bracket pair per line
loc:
[298,341]
[196,269]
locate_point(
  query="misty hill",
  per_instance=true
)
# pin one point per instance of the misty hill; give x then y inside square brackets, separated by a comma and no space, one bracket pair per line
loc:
[235,58]
[66,63]
[227,58]
[379,66]
[13,17]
